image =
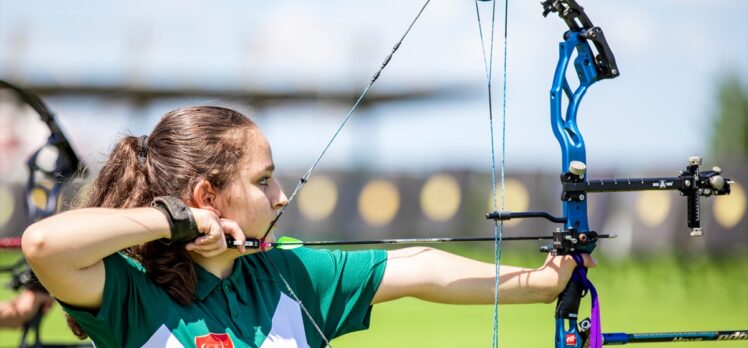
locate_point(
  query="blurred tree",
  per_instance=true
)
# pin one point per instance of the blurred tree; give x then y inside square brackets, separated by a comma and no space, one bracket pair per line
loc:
[730,133]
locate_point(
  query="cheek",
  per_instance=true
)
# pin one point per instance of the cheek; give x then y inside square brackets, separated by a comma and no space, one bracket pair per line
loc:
[253,218]
[228,200]
[226,206]
[228,203]
[255,204]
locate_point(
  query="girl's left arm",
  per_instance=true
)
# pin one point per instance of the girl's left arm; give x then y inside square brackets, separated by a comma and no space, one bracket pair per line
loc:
[437,276]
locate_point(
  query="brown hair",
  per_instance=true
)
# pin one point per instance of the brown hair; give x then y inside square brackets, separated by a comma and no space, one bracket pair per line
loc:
[187,146]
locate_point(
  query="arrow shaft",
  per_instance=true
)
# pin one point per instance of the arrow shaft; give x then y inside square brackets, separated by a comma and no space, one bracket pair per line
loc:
[255,243]
[404,241]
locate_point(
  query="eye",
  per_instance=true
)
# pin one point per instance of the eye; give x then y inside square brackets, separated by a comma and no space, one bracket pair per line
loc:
[264,181]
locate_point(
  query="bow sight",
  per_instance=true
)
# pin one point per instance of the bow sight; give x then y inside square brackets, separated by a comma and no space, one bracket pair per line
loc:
[691,183]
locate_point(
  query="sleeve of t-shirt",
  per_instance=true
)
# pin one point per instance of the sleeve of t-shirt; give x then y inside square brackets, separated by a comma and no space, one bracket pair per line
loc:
[344,283]
[107,325]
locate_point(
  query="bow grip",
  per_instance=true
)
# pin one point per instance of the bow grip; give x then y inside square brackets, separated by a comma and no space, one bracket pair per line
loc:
[567,305]
[567,309]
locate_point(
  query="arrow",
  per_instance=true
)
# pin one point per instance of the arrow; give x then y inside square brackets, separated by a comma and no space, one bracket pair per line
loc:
[288,243]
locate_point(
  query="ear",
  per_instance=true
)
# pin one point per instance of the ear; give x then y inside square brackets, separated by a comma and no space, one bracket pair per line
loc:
[204,197]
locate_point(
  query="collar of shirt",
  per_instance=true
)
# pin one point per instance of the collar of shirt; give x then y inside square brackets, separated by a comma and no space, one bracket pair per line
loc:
[207,282]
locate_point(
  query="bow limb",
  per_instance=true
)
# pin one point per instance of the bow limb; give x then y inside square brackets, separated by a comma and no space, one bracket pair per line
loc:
[47,183]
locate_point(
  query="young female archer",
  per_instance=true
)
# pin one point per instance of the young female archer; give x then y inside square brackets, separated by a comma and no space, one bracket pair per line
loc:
[145,263]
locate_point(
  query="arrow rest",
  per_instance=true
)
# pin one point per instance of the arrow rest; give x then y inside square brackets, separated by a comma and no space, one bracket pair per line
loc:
[570,241]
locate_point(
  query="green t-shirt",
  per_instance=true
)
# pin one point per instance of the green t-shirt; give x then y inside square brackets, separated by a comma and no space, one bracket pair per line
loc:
[250,308]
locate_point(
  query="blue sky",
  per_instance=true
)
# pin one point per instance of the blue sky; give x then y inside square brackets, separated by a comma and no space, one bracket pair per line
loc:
[671,54]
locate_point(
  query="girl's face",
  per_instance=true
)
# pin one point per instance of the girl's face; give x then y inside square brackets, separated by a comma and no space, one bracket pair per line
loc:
[253,196]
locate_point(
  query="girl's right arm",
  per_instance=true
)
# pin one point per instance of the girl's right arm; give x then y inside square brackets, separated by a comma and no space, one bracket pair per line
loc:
[66,251]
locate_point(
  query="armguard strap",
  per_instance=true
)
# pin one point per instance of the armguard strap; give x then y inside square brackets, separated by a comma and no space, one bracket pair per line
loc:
[181,221]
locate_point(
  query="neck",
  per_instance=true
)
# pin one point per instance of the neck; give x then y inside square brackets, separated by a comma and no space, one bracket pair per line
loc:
[220,266]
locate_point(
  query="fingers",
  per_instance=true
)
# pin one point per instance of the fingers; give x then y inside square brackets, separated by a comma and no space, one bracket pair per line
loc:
[210,244]
[48,303]
[589,261]
[232,229]
[568,261]
[42,301]
[28,303]
[214,241]
[561,268]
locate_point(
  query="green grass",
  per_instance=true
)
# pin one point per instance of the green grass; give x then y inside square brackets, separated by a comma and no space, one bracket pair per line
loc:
[665,293]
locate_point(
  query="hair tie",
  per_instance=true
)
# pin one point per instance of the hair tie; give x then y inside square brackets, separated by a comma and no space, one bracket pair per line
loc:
[142,150]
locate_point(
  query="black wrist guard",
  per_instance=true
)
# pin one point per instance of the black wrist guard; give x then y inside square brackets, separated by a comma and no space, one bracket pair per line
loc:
[181,222]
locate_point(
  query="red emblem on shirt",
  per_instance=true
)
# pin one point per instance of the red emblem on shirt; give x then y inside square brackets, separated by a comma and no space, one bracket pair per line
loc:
[213,340]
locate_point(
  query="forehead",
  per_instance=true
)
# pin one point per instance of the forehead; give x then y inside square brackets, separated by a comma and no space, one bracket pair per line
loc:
[258,155]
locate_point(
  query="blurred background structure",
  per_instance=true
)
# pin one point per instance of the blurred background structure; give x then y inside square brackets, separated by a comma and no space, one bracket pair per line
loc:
[414,161]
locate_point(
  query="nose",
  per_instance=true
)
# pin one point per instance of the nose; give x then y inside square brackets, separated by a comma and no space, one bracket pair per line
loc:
[282,200]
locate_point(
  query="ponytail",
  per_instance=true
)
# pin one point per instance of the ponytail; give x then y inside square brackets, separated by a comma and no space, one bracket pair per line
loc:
[187,146]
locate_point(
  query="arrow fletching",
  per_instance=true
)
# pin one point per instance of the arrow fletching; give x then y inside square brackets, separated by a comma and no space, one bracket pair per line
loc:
[286,243]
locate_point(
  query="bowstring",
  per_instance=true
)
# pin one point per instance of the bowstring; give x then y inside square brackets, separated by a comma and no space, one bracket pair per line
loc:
[297,299]
[305,178]
[498,225]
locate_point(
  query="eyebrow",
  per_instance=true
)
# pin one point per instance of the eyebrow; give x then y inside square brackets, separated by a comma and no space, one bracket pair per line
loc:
[270,168]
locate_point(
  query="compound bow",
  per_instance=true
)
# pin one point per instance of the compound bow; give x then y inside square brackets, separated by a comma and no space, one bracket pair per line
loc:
[594,62]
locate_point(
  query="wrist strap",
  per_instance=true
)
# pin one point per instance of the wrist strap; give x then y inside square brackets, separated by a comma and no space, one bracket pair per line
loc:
[181,222]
